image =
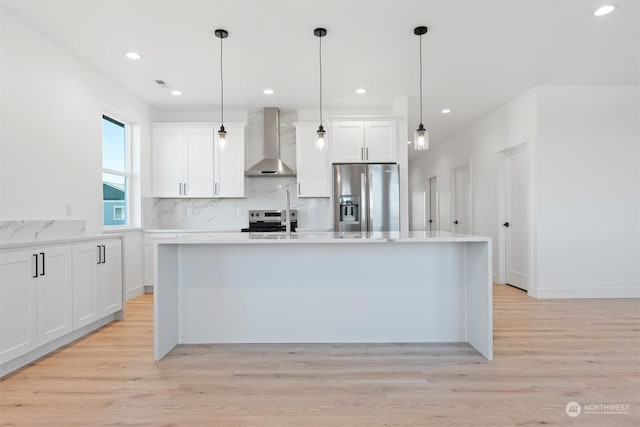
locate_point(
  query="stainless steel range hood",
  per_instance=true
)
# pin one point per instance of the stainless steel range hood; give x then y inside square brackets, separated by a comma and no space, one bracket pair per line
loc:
[271,165]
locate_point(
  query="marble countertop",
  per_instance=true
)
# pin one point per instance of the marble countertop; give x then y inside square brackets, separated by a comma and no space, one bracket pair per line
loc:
[320,237]
[58,241]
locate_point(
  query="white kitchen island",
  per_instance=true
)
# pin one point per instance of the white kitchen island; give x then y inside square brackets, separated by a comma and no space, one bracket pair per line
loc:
[323,288]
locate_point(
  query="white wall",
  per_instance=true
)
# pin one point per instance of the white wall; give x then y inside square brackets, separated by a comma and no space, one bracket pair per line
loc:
[510,125]
[51,130]
[587,191]
[583,145]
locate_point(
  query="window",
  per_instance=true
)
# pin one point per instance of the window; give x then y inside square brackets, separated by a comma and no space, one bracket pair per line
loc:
[115,172]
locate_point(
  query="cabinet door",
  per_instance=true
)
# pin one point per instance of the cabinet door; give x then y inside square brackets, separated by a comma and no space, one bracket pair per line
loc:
[18,304]
[169,161]
[199,145]
[110,278]
[312,165]
[229,164]
[347,142]
[380,141]
[54,293]
[85,284]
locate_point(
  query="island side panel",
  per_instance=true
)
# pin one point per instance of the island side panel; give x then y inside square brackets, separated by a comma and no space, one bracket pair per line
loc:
[166,299]
[355,292]
[480,298]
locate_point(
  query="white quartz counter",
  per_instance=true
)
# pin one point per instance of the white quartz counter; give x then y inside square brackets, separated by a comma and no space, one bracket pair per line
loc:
[58,241]
[317,237]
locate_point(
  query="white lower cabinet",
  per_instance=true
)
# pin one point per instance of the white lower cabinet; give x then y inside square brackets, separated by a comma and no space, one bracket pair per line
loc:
[97,281]
[35,299]
[48,292]
[54,294]
[18,305]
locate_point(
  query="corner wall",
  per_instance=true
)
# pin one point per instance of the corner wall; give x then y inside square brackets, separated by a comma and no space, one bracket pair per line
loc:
[584,156]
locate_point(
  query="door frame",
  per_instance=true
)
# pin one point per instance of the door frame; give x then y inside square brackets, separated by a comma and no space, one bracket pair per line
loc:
[427,202]
[501,275]
[452,202]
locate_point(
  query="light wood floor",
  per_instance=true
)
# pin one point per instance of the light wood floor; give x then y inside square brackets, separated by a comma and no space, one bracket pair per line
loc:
[547,353]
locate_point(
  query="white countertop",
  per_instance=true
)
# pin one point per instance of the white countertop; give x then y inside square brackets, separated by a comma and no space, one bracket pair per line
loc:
[320,237]
[60,241]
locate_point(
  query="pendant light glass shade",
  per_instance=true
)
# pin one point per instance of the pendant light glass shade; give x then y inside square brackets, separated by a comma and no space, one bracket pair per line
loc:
[321,143]
[222,138]
[222,133]
[421,137]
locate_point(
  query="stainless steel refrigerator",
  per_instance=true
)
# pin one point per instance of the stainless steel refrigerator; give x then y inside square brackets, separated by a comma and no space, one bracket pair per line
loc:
[366,197]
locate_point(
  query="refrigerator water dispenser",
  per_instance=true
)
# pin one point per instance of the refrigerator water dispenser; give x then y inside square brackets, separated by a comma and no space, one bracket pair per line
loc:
[349,209]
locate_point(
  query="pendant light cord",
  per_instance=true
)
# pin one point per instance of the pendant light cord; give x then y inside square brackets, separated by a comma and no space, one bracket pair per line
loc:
[320,55]
[420,79]
[221,88]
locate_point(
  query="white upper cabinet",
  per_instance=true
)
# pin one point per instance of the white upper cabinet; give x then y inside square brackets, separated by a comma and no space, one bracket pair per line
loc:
[228,176]
[182,160]
[199,165]
[312,166]
[368,141]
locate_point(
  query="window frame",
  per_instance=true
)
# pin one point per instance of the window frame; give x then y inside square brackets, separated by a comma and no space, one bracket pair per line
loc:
[126,173]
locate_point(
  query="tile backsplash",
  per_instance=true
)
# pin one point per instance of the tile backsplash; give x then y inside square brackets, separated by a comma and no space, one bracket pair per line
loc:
[232,214]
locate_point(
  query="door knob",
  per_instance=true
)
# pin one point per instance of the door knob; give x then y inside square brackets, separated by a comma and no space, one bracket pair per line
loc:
[455,222]
[506,224]
[430,221]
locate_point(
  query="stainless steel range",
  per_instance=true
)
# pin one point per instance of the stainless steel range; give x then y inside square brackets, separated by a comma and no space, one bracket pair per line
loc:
[270,221]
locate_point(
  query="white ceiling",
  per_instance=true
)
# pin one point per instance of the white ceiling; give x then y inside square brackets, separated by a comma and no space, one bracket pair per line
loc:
[477,54]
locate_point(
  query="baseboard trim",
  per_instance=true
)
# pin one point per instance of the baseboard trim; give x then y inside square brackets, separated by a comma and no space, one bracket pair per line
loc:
[594,293]
[134,292]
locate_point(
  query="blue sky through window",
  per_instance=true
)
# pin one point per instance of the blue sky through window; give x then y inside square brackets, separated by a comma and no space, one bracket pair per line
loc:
[114,146]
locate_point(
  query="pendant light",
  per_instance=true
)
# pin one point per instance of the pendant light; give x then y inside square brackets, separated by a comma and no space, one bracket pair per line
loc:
[421,138]
[321,144]
[222,134]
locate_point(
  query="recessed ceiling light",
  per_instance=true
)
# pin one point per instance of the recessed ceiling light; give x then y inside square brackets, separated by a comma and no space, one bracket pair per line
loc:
[604,10]
[445,110]
[133,55]
[176,92]
[361,91]
[268,91]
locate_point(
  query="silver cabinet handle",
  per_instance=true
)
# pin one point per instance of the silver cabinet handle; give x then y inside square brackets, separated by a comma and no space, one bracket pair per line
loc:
[299,189]
[367,153]
[215,189]
[185,189]
[362,153]
[180,188]
[363,202]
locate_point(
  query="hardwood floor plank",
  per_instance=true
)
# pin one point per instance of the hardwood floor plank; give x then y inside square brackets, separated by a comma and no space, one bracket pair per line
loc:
[547,353]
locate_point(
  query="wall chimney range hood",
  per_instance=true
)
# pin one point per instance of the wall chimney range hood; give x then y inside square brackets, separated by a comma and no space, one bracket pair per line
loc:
[271,165]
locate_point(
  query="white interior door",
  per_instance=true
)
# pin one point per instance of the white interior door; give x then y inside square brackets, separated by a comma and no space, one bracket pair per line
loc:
[431,199]
[461,210]
[516,196]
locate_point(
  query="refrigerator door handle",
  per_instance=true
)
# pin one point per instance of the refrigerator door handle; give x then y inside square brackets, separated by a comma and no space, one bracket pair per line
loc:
[364,226]
[370,196]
